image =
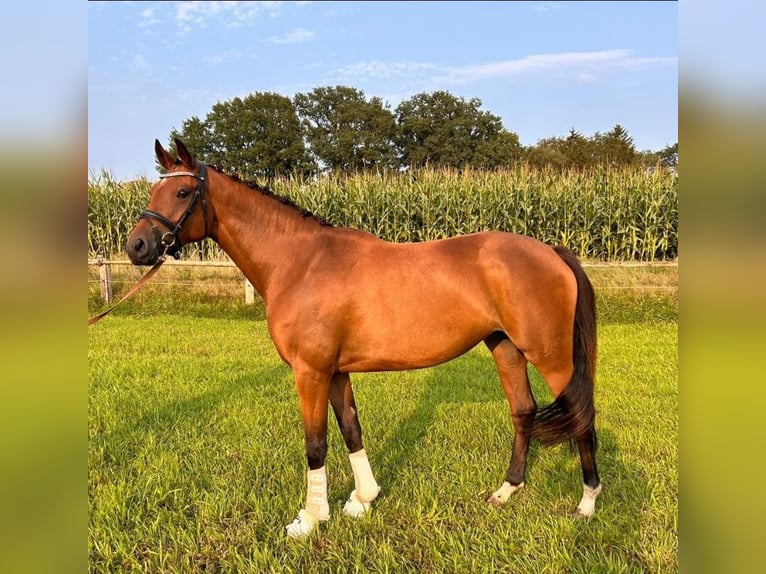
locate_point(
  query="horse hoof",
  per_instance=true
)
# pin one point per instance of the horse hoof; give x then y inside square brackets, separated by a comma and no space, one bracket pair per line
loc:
[495,501]
[302,526]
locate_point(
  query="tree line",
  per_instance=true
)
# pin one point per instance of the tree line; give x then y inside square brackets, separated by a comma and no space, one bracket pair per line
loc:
[267,135]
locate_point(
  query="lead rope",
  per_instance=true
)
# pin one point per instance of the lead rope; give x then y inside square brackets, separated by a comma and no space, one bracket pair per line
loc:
[130,292]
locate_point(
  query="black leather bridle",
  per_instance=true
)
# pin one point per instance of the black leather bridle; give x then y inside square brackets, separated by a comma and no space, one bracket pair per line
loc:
[169,240]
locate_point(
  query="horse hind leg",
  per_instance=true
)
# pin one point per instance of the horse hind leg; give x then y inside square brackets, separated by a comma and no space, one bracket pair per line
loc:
[512,369]
[586,444]
[366,489]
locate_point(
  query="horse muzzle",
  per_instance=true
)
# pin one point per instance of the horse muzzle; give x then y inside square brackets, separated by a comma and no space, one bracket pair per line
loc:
[142,248]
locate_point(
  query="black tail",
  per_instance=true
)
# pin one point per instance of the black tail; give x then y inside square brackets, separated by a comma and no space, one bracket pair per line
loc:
[573,411]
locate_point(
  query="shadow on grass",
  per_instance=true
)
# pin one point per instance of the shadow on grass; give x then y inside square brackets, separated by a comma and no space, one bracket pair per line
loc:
[612,536]
[439,387]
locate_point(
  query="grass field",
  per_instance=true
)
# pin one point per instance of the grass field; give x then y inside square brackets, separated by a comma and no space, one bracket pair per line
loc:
[196,457]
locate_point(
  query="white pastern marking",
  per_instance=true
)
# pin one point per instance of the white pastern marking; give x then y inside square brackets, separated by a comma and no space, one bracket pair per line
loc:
[587,505]
[502,494]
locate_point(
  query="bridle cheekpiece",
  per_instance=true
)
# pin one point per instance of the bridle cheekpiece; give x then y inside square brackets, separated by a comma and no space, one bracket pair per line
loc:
[169,240]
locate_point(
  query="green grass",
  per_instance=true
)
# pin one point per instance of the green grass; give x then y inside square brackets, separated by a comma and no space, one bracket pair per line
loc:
[196,458]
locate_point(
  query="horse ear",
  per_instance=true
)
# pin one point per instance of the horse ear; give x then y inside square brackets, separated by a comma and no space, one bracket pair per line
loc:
[185,155]
[166,160]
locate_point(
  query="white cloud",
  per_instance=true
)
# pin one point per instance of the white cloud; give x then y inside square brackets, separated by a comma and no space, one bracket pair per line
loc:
[148,18]
[294,36]
[138,63]
[545,6]
[584,67]
[378,69]
[199,95]
[563,60]
[227,56]
[230,14]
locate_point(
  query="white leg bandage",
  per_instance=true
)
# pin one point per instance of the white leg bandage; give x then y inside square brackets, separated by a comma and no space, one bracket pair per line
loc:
[502,494]
[364,482]
[366,489]
[316,494]
[587,505]
[317,507]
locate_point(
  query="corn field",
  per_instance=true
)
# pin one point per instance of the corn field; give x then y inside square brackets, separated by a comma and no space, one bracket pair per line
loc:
[602,214]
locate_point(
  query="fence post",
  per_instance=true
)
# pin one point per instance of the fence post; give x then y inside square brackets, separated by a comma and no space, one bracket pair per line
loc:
[105,280]
[249,292]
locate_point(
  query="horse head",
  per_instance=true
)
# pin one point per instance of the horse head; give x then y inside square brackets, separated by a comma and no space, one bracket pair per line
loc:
[177,213]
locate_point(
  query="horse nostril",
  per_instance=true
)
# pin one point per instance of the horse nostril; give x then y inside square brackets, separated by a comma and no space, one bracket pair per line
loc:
[139,245]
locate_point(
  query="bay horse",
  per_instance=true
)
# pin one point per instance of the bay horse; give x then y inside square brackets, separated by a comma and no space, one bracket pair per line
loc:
[340,300]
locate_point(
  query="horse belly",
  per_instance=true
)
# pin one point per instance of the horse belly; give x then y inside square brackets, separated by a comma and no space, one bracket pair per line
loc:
[393,333]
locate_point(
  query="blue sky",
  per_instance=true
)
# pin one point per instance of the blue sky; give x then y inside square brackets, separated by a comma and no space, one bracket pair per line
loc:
[542,67]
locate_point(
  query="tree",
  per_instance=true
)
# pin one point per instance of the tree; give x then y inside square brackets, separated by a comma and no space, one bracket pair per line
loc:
[548,152]
[255,136]
[345,131]
[615,147]
[196,134]
[440,129]
[502,150]
[578,149]
[669,156]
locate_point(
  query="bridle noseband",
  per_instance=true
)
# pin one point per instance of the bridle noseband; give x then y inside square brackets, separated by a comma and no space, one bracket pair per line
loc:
[169,240]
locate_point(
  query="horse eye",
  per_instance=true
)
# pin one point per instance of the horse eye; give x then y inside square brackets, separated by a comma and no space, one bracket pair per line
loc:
[182,193]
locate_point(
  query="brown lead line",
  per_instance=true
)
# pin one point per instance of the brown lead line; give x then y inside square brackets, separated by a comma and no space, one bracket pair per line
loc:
[130,292]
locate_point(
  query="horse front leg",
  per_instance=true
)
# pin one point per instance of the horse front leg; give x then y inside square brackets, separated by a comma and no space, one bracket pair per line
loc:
[366,489]
[313,389]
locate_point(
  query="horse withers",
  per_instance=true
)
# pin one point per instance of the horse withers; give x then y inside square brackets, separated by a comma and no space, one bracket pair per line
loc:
[340,300]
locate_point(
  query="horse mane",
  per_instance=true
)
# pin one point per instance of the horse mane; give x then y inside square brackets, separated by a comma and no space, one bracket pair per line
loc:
[263,190]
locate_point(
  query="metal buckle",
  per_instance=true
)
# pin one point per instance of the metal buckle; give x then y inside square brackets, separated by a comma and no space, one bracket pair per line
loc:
[165,242]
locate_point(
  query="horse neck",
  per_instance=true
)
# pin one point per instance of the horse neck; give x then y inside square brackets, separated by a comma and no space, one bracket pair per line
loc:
[267,239]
